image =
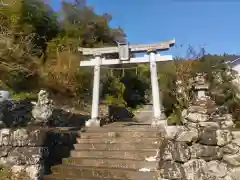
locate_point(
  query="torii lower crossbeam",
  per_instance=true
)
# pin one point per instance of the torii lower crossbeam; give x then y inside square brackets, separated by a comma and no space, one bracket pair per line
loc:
[151,58]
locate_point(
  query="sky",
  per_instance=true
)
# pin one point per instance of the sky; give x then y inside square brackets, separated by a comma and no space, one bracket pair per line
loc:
[212,24]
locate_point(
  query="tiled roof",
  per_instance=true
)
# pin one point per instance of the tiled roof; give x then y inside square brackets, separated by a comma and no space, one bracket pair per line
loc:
[232,59]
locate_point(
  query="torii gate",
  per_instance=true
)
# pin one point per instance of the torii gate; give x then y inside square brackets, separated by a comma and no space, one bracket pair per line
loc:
[124,50]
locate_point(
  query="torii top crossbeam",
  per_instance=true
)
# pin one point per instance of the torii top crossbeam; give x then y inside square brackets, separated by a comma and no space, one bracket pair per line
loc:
[137,48]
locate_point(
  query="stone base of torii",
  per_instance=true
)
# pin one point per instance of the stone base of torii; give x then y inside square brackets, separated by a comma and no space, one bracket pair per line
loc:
[152,56]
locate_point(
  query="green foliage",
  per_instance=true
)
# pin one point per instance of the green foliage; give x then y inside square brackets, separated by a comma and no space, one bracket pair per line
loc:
[113,91]
[225,93]
[174,118]
[24,95]
[137,83]
[220,77]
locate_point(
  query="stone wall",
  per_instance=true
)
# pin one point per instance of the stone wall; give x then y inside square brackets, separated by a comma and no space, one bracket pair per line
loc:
[205,147]
[60,142]
[31,137]
[32,151]
[23,150]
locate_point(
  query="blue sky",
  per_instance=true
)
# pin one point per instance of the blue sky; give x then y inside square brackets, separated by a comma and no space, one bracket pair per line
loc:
[214,24]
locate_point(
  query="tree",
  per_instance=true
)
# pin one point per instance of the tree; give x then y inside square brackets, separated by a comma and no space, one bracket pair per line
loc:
[81,26]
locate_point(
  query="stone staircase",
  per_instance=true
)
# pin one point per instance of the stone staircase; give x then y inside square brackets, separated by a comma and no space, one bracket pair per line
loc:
[112,152]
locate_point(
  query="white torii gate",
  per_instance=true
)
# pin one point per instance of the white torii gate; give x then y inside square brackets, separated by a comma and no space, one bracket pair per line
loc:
[123,50]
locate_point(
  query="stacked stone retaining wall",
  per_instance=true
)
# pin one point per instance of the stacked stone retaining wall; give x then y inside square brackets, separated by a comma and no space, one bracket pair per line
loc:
[32,151]
[205,147]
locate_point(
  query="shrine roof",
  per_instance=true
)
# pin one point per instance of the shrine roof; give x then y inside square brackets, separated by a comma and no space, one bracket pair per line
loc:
[232,60]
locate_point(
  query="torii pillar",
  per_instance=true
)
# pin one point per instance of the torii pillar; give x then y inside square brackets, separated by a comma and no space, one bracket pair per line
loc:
[95,121]
[158,111]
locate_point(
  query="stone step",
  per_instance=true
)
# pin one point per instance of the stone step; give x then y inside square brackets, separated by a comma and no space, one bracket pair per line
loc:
[117,134]
[110,140]
[102,173]
[117,146]
[62,177]
[111,163]
[119,154]
[122,128]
